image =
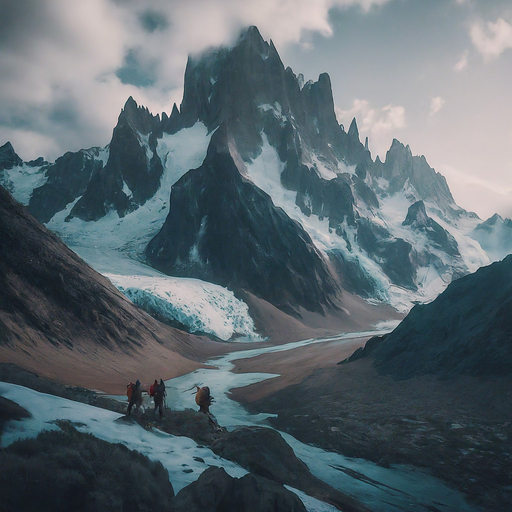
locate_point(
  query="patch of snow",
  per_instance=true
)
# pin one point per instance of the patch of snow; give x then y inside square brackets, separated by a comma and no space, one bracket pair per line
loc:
[300,81]
[103,155]
[126,190]
[21,181]
[144,140]
[321,168]
[276,109]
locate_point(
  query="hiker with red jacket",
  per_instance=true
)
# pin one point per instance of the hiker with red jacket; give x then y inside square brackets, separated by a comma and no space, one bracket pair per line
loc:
[152,388]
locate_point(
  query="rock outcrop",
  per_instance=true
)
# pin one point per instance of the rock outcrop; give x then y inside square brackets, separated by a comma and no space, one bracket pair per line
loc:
[68,178]
[216,491]
[133,170]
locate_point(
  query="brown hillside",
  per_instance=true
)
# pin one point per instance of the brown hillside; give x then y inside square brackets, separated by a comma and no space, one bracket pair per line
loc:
[63,320]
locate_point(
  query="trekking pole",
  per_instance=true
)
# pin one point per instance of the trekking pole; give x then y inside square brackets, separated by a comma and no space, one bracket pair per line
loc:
[190,389]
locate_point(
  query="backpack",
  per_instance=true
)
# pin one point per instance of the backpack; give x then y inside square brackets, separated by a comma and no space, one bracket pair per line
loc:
[129,390]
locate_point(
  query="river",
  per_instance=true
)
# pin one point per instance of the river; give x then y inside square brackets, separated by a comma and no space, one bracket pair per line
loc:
[398,488]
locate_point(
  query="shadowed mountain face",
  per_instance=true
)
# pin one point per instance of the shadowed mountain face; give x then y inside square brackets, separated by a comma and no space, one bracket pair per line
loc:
[467,330]
[50,295]
[223,228]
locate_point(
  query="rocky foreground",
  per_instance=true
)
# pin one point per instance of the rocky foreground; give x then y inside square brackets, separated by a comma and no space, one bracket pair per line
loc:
[261,451]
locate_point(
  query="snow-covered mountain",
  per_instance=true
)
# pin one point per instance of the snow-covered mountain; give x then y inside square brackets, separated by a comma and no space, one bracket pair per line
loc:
[252,184]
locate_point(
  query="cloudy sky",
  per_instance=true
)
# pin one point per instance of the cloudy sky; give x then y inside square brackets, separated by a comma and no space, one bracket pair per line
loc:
[433,74]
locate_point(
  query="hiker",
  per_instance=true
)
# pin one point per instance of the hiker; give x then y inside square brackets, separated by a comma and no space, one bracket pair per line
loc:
[203,399]
[152,388]
[129,390]
[159,397]
[134,393]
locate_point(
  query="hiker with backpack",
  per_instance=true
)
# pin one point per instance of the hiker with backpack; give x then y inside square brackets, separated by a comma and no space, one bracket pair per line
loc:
[152,388]
[134,393]
[159,397]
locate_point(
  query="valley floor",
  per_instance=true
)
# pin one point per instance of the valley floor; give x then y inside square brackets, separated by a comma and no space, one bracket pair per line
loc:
[460,429]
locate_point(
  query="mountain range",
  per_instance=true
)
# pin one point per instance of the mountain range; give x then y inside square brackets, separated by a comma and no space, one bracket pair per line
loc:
[253,185]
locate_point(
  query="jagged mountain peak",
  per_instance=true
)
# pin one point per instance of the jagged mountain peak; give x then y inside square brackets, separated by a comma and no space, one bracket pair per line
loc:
[495,236]
[416,215]
[267,127]
[404,171]
[398,151]
[138,117]
[493,221]
[251,36]
[7,147]
[353,131]
[8,157]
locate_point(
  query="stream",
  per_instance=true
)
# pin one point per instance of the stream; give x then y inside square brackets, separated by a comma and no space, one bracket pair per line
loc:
[398,488]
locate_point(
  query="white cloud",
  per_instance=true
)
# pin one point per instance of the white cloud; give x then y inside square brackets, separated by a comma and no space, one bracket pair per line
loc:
[492,39]
[59,58]
[462,63]
[436,104]
[378,124]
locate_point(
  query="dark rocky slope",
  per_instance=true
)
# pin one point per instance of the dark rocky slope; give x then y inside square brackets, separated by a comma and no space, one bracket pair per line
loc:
[52,300]
[222,228]
[467,330]
[67,470]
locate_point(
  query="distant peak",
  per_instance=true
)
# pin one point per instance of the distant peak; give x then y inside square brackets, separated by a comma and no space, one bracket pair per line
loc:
[397,146]
[8,157]
[138,117]
[251,38]
[250,33]
[491,221]
[353,131]
[130,104]
[7,147]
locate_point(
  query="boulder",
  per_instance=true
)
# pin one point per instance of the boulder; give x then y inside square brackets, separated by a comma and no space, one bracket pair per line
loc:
[263,452]
[216,491]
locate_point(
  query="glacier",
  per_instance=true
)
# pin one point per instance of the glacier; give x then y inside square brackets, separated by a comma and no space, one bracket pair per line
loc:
[202,307]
